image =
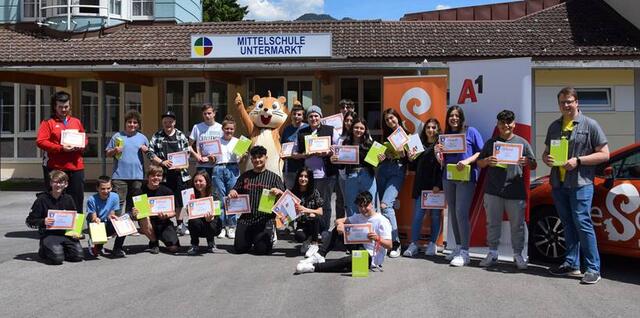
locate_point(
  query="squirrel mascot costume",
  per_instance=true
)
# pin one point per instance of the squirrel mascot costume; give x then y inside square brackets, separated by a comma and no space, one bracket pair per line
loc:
[263,122]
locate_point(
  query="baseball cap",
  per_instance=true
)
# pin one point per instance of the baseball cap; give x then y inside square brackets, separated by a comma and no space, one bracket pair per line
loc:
[169,114]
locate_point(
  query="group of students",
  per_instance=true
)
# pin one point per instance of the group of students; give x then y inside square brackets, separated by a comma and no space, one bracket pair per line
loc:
[361,189]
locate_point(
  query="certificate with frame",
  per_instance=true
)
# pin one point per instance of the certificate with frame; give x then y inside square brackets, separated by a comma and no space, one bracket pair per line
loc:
[357,233]
[73,138]
[179,160]
[432,200]
[398,138]
[124,225]
[210,147]
[507,153]
[285,207]
[287,149]
[319,144]
[162,204]
[200,208]
[453,143]
[335,121]
[239,205]
[62,219]
[347,155]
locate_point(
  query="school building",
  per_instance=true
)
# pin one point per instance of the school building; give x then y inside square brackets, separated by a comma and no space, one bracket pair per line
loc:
[113,56]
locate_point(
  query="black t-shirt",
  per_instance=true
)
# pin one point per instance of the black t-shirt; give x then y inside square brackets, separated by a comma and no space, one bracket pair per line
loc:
[159,192]
[506,183]
[252,183]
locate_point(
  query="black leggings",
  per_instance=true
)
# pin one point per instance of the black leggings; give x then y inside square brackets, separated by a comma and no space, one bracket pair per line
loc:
[57,248]
[258,235]
[201,228]
[75,188]
[117,245]
[307,228]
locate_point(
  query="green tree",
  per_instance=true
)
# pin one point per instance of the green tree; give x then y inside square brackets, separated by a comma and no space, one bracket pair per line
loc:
[222,10]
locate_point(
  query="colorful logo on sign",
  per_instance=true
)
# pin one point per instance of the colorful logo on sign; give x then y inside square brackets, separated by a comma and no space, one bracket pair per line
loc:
[203,46]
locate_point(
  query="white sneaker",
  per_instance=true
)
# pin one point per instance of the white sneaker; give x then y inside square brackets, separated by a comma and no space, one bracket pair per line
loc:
[305,247]
[395,253]
[490,260]
[313,249]
[520,262]
[431,249]
[314,259]
[185,229]
[223,234]
[455,252]
[231,232]
[461,259]
[304,267]
[411,251]
[274,239]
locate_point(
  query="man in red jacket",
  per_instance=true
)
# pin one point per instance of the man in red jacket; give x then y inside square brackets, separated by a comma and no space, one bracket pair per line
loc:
[58,157]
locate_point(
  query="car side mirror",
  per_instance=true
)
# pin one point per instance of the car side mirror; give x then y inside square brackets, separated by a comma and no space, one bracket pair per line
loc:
[608,173]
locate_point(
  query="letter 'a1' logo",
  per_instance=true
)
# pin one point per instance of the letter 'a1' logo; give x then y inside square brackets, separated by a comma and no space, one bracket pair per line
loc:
[468,91]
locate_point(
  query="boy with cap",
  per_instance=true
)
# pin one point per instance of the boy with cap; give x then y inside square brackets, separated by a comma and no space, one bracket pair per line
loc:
[165,141]
[324,172]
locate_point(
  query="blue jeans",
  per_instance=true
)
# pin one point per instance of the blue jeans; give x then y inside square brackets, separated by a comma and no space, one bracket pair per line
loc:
[574,210]
[418,216]
[459,195]
[390,178]
[224,178]
[355,183]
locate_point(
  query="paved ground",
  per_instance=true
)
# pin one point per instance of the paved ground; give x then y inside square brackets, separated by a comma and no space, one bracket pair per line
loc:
[226,285]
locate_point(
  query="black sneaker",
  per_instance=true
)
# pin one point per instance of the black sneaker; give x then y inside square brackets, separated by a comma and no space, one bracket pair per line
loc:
[565,270]
[193,250]
[590,278]
[211,247]
[118,253]
[153,248]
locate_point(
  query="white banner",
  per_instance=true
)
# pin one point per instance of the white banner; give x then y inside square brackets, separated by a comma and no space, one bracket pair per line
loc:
[283,45]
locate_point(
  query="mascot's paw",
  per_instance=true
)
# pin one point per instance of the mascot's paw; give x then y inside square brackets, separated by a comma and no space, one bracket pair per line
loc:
[238,99]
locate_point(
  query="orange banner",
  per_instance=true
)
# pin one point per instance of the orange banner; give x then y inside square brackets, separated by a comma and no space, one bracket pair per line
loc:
[416,99]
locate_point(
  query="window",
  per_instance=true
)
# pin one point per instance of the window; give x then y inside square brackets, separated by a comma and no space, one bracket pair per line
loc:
[300,90]
[45,102]
[84,3]
[27,110]
[193,93]
[115,7]
[112,108]
[260,86]
[197,94]
[367,94]
[132,97]
[174,96]
[29,9]
[142,7]
[219,99]
[6,108]
[627,167]
[595,99]
[89,106]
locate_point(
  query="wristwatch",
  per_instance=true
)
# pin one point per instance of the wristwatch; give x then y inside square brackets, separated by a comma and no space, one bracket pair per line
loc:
[579,161]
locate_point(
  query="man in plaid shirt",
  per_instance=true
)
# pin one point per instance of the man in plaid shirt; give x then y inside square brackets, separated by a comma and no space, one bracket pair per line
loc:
[168,140]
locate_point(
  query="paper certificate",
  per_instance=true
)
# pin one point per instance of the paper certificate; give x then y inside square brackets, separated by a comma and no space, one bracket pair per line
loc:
[319,144]
[98,232]
[237,205]
[200,208]
[559,150]
[507,153]
[210,147]
[73,138]
[187,195]
[357,233]
[347,155]
[179,160]
[285,208]
[415,145]
[398,139]
[375,150]
[432,200]
[287,149]
[335,121]
[62,219]
[453,143]
[163,204]
[124,225]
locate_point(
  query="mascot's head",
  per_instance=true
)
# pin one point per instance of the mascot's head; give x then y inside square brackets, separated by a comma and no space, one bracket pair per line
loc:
[268,112]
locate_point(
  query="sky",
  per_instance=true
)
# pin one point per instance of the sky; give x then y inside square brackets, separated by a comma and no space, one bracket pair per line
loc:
[267,10]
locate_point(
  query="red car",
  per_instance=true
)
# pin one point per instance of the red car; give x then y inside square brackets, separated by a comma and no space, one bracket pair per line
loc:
[615,210]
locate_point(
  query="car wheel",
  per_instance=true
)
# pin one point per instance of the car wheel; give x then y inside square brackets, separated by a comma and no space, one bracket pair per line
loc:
[546,235]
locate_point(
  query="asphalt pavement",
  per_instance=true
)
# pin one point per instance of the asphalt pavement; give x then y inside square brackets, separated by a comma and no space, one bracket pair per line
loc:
[228,285]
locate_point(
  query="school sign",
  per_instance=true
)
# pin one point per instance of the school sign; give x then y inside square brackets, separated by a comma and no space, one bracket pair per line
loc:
[239,46]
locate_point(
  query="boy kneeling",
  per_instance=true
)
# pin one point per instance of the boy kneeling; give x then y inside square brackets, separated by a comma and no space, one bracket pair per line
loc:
[102,208]
[380,240]
[158,226]
[54,245]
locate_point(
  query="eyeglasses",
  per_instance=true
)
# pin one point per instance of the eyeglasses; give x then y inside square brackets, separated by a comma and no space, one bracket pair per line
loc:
[59,182]
[567,102]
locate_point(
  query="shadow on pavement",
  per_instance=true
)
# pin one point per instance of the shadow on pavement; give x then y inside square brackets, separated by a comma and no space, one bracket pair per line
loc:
[23,234]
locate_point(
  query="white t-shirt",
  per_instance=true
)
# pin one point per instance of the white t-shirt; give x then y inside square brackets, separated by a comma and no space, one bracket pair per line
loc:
[203,132]
[382,227]
[226,147]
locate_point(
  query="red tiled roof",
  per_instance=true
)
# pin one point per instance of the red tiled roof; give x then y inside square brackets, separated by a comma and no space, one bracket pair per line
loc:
[576,29]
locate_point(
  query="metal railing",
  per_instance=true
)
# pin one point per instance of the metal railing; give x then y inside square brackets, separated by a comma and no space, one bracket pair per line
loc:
[73,8]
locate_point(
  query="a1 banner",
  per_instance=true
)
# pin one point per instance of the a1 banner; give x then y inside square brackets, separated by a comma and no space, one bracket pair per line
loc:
[483,88]
[416,99]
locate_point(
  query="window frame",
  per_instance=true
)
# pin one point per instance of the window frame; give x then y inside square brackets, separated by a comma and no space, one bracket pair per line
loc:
[142,16]
[360,102]
[609,91]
